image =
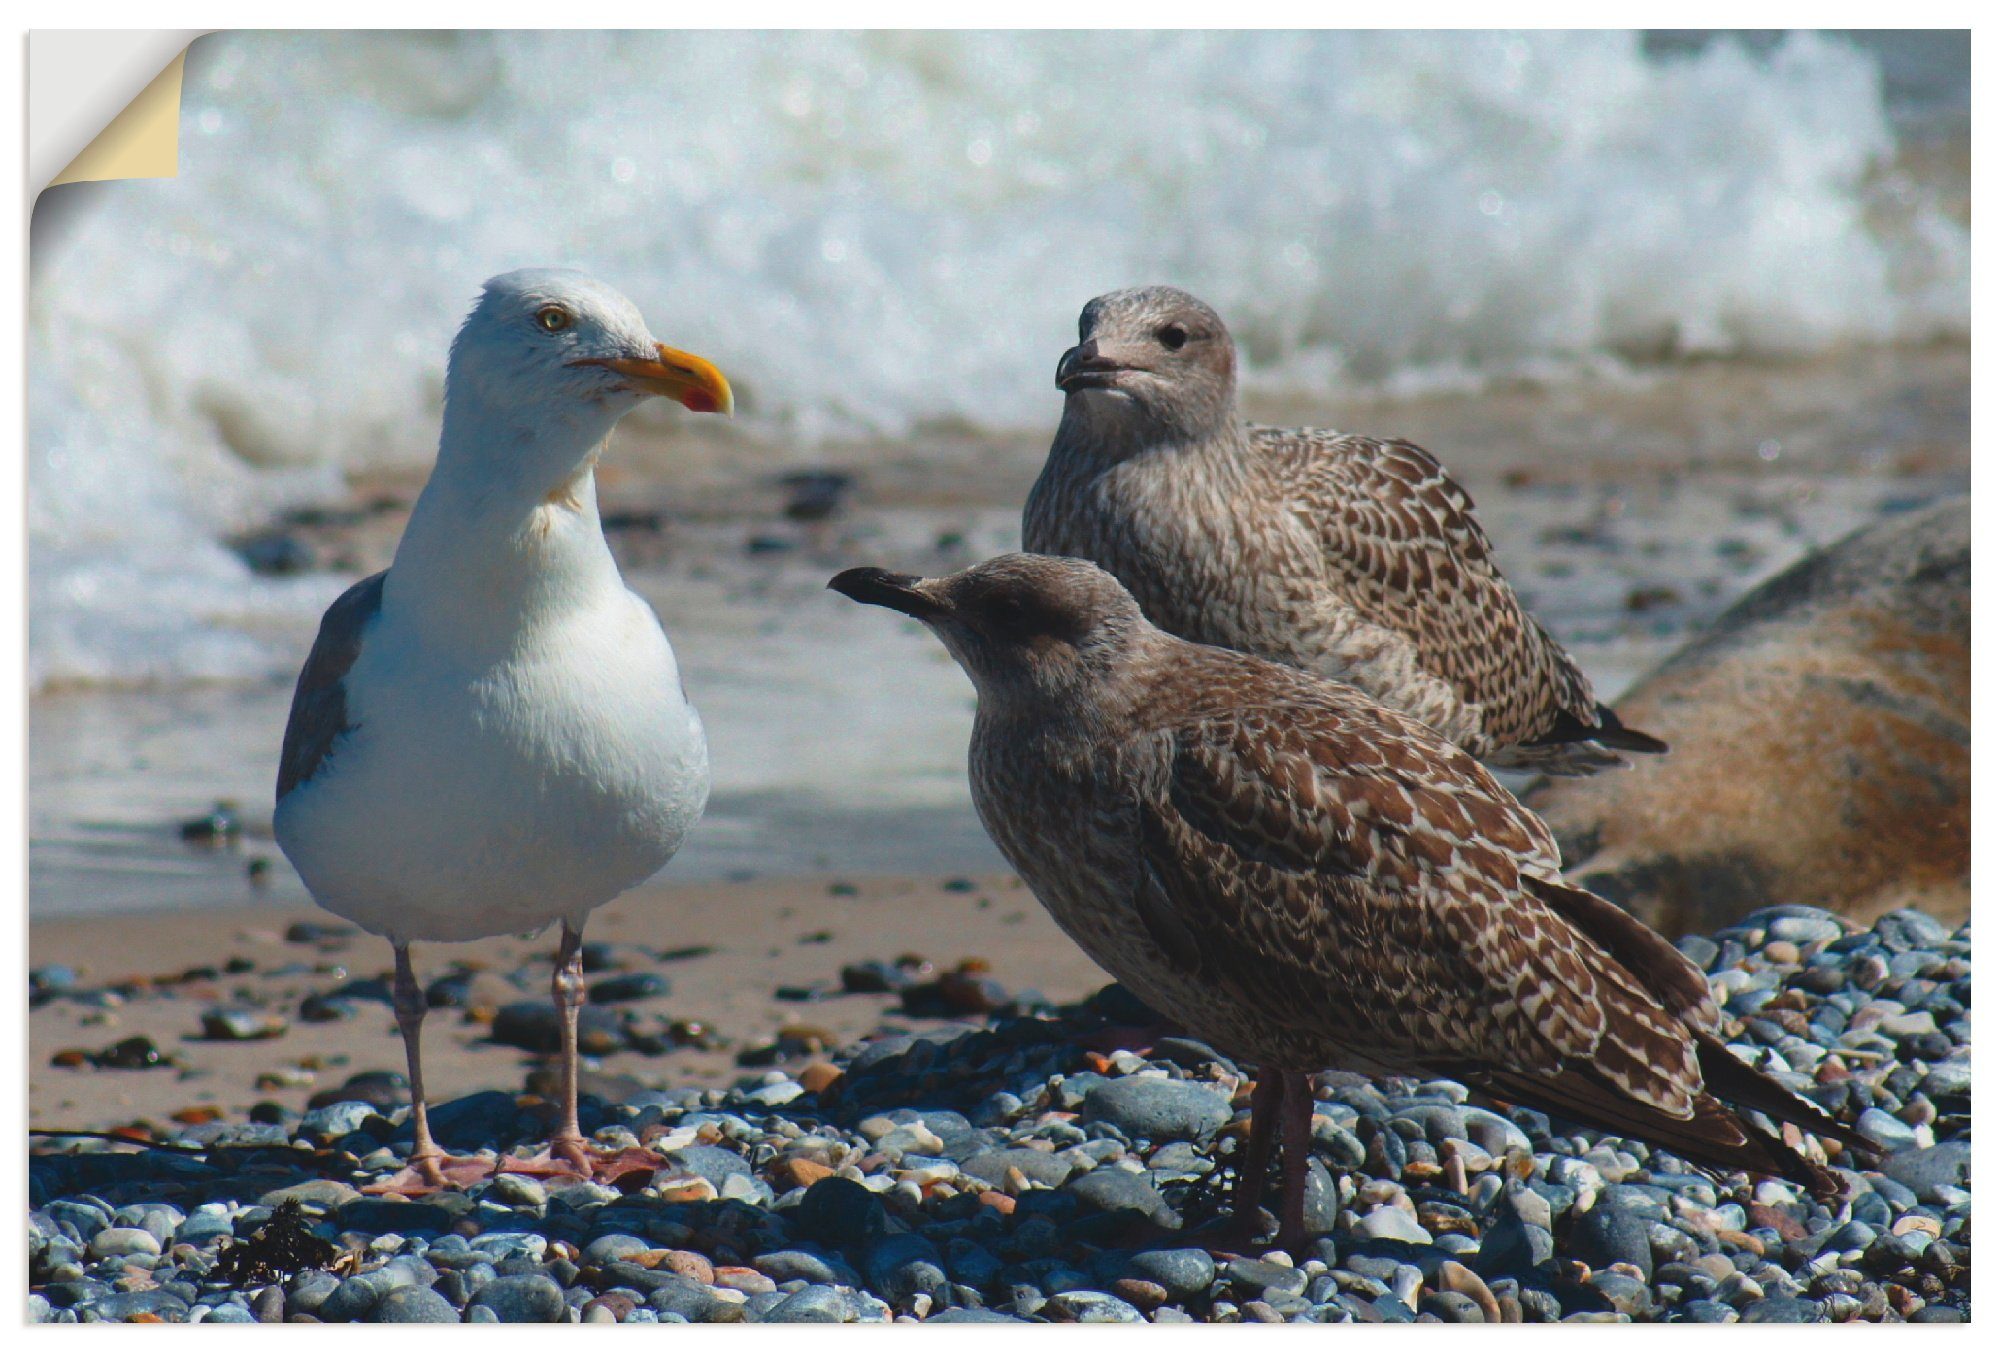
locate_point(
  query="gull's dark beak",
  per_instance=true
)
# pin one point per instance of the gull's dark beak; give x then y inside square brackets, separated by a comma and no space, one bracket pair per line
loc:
[896,591]
[1084,367]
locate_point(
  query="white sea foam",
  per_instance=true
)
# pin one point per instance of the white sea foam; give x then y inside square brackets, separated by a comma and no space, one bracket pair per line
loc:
[873,232]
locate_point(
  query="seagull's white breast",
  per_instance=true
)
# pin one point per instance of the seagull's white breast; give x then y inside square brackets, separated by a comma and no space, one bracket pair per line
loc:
[495,793]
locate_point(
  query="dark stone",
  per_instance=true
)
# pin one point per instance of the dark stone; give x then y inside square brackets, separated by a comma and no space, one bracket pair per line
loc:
[1252,1278]
[132,1053]
[380,1216]
[873,977]
[903,1266]
[630,986]
[318,1008]
[1605,1235]
[383,1090]
[1120,1190]
[1116,1004]
[1511,1247]
[840,1213]
[1183,1272]
[1451,1308]
[485,1118]
[535,1026]
[1938,1314]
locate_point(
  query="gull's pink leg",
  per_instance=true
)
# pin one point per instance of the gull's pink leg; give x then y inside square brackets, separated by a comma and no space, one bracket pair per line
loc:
[567,988]
[425,1156]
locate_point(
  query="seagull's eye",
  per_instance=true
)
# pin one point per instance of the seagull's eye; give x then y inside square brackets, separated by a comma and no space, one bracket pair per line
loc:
[1009,612]
[1173,337]
[554,318]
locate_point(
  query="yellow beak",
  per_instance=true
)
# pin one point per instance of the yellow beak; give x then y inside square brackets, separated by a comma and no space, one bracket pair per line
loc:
[692,381]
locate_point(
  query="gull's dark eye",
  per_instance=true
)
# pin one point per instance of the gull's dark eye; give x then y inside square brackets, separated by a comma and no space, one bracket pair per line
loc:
[1172,337]
[554,318]
[1009,611]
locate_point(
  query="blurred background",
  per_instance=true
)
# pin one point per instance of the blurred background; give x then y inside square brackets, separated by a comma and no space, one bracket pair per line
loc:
[1675,306]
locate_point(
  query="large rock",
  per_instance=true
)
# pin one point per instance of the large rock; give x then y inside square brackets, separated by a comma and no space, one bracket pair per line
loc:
[1821,746]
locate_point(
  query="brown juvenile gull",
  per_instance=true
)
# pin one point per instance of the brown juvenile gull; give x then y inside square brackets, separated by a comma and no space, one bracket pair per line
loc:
[492,735]
[1353,557]
[1305,878]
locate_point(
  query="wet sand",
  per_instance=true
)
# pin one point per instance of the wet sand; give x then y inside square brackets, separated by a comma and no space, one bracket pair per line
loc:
[766,935]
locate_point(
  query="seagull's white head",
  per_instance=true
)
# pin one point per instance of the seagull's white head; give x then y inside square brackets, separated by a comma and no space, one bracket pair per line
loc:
[556,346]
[542,369]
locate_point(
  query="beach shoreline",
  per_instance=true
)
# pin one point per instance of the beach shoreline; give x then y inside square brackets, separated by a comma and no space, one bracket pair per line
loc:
[730,948]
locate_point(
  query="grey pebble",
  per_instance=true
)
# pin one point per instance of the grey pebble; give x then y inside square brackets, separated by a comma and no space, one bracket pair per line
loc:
[524,1299]
[1154,1109]
[414,1305]
[1091,1307]
[814,1304]
[1182,1272]
[124,1241]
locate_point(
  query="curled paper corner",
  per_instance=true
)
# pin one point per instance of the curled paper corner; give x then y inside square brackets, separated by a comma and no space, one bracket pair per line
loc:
[143,141]
[104,105]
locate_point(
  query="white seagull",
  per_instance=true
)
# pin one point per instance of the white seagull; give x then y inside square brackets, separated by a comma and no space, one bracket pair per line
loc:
[492,736]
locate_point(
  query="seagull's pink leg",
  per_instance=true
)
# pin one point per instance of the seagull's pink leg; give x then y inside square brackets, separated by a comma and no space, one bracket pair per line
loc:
[425,1157]
[567,989]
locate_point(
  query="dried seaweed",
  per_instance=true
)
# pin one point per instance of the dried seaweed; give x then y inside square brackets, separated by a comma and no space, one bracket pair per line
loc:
[283,1245]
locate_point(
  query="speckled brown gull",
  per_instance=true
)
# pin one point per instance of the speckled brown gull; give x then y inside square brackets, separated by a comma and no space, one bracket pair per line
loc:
[1356,558]
[1307,879]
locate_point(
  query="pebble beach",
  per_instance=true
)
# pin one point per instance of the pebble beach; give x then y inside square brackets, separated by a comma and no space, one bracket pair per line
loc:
[987,1152]
[1678,311]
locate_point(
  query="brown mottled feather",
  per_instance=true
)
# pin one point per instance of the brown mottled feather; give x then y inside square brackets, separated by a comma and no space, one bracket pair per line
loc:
[1401,541]
[319,701]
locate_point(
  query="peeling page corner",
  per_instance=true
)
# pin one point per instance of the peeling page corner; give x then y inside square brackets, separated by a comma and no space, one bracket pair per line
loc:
[104,105]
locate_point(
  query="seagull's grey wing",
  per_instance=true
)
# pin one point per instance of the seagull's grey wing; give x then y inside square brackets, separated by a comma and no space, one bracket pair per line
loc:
[1400,537]
[319,702]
